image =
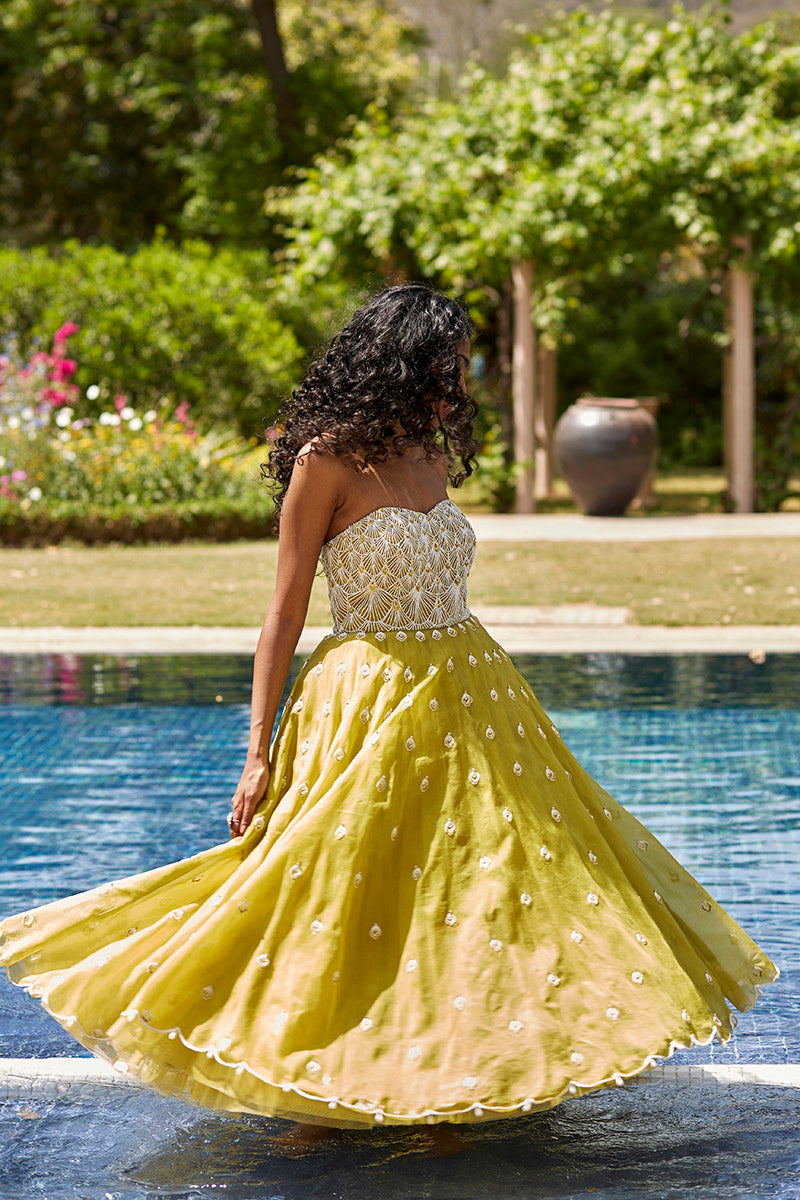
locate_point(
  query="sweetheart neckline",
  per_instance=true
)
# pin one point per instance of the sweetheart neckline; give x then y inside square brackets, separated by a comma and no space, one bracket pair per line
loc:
[389,508]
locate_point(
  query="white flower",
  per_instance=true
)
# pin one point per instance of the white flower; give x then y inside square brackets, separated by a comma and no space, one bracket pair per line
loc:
[92,391]
[127,412]
[135,424]
[35,493]
[13,422]
[26,413]
[63,417]
[150,415]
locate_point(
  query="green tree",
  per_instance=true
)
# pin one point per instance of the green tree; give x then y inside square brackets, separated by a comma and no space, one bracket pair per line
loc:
[117,118]
[609,142]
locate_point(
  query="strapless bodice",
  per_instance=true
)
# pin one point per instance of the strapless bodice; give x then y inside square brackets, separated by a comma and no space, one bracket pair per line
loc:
[397,568]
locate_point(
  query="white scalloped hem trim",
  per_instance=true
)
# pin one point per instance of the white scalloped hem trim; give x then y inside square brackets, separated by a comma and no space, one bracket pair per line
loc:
[477,1109]
[450,627]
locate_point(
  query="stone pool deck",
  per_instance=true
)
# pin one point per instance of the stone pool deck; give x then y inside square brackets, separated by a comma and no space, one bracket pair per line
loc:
[584,634]
[559,629]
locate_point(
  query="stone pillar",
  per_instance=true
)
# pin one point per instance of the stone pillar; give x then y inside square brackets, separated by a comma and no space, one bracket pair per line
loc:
[524,382]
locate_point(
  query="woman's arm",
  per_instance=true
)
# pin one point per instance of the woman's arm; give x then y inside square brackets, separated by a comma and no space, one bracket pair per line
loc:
[310,500]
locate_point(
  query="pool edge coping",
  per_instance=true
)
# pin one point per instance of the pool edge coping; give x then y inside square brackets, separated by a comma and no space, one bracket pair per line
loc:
[516,638]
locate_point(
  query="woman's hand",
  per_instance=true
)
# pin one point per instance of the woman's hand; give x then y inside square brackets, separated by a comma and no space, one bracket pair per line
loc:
[249,791]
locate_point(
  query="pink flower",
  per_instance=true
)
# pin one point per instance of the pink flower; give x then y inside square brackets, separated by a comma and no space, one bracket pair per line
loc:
[54,395]
[182,410]
[62,370]
[40,356]
[68,328]
[120,402]
[18,475]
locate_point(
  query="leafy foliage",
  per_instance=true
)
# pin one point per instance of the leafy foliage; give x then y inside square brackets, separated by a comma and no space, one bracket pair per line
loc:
[610,143]
[115,119]
[216,328]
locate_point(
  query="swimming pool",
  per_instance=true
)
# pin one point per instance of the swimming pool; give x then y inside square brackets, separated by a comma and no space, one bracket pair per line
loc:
[109,766]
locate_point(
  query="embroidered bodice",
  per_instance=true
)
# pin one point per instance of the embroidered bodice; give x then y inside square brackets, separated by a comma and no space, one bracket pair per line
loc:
[397,568]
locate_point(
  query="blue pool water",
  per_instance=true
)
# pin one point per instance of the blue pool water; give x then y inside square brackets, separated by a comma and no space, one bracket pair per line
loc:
[112,766]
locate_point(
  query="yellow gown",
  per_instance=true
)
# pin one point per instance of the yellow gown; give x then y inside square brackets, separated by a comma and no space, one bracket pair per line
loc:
[436,914]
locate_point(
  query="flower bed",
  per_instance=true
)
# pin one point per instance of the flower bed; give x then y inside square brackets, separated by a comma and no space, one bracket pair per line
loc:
[123,475]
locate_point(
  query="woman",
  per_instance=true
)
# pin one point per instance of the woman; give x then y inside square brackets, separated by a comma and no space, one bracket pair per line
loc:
[428,910]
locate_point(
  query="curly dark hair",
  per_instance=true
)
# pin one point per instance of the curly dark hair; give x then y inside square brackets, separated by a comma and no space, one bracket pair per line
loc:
[396,362]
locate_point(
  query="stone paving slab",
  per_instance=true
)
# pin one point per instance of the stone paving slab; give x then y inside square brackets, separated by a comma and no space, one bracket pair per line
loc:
[574,527]
[517,639]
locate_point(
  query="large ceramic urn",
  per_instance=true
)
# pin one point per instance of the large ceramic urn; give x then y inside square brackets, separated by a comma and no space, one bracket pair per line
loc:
[606,448]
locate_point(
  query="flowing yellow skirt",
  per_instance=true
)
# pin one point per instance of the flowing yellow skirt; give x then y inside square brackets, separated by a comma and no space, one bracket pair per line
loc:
[435,915]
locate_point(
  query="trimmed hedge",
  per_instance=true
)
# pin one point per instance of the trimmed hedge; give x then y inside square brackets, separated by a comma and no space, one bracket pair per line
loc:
[223,521]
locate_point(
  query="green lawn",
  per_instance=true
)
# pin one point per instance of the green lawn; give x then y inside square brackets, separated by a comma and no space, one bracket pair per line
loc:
[736,581]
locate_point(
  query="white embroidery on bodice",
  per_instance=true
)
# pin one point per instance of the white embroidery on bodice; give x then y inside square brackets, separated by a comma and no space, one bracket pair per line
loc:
[397,568]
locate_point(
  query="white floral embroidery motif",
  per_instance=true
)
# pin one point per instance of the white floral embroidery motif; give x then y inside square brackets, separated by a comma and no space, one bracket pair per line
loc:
[517,769]
[449,827]
[450,918]
[474,777]
[425,586]
[449,741]
[526,899]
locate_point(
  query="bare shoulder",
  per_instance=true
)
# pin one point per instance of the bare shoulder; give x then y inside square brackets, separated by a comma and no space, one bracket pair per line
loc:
[318,467]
